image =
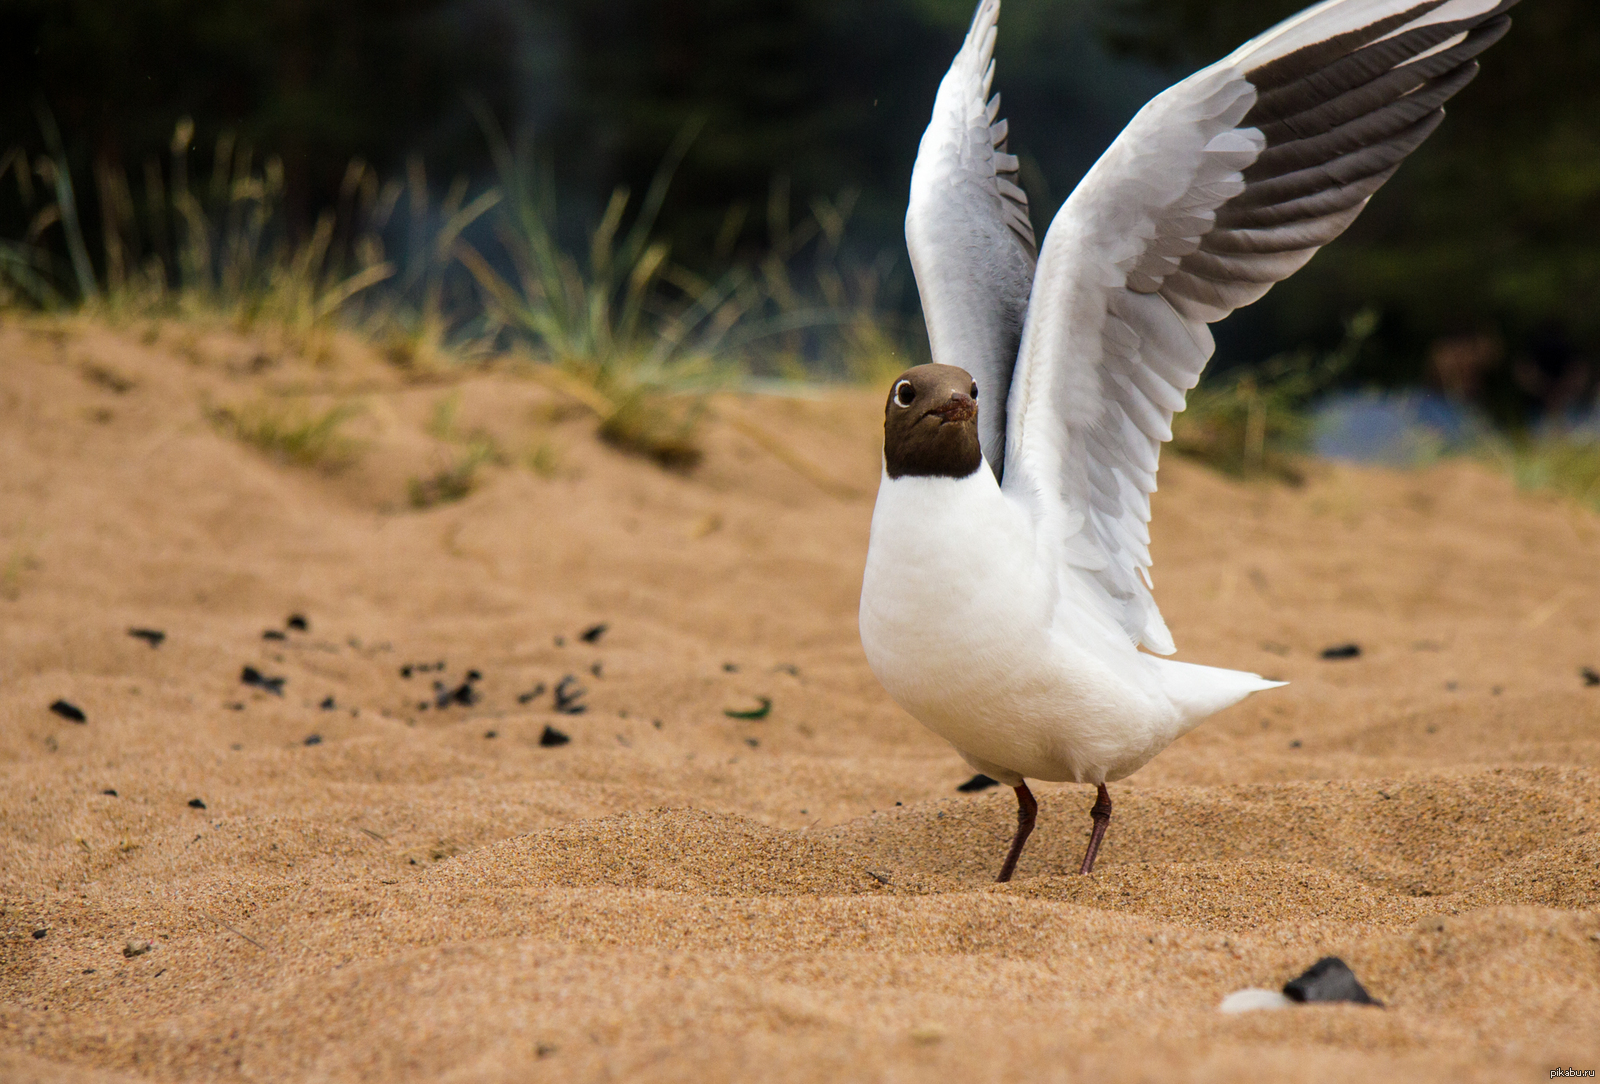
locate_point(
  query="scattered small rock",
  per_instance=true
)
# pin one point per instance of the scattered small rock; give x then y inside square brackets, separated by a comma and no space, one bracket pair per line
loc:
[531,695]
[405,671]
[592,634]
[1342,651]
[38,935]
[251,676]
[328,704]
[730,668]
[473,675]
[314,739]
[491,733]
[597,670]
[153,637]
[561,641]
[552,737]
[108,792]
[760,712]
[132,949]
[568,695]
[752,742]
[1591,676]
[69,711]
[1295,744]
[298,623]
[274,634]
[881,878]
[1329,979]
[195,803]
[977,783]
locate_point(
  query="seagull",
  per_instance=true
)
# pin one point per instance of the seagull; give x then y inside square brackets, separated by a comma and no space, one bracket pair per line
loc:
[1006,602]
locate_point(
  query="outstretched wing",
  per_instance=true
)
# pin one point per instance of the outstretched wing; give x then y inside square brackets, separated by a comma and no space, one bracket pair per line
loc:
[1220,187]
[967,229]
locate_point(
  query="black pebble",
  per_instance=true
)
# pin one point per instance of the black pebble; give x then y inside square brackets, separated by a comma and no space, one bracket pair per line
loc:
[195,803]
[251,676]
[1591,676]
[977,783]
[70,712]
[473,675]
[38,935]
[552,736]
[273,634]
[465,695]
[405,671]
[298,623]
[109,792]
[328,704]
[752,742]
[491,734]
[315,739]
[1295,744]
[596,669]
[1342,651]
[568,695]
[153,637]
[1329,979]
[532,694]
[422,705]
[592,634]
[730,667]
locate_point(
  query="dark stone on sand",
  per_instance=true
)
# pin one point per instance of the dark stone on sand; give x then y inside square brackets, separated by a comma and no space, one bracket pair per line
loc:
[153,637]
[405,671]
[592,634]
[69,711]
[251,676]
[195,803]
[1329,979]
[531,695]
[109,792]
[1342,651]
[568,695]
[315,739]
[464,694]
[1591,676]
[491,733]
[273,634]
[38,935]
[473,675]
[328,704]
[552,737]
[561,641]
[730,668]
[298,623]
[977,783]
[597,670]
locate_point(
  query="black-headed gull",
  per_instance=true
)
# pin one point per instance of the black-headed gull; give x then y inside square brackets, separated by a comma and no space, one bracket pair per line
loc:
[1006,607]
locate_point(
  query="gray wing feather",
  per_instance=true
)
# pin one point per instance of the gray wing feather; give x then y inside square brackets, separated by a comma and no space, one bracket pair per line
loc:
[1222,186]
[967,229]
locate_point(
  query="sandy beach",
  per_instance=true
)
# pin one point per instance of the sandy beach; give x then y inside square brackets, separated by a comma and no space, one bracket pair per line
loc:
[333,878]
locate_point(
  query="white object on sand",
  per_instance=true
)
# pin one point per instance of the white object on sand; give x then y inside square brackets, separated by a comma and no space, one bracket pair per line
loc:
[1254,998]
[1005,607]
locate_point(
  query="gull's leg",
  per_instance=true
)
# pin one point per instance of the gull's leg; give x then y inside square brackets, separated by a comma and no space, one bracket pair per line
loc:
[1101,814]
[1027,809]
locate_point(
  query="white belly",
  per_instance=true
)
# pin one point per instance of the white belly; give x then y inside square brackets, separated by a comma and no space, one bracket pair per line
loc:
[961,623]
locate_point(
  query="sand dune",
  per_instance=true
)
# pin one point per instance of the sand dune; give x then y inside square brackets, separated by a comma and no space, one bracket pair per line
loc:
[374,889]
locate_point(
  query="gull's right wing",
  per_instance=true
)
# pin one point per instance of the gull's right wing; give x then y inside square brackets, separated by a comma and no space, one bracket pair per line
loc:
[967,229]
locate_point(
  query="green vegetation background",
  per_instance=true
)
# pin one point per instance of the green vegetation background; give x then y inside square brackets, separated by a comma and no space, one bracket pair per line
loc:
[1491,230]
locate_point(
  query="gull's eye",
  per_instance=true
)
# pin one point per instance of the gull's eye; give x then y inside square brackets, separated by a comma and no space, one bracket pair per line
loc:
[904,393]
[974,391]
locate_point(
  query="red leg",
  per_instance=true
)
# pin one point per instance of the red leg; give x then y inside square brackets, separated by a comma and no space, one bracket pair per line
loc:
[1101,815]
[1027,809]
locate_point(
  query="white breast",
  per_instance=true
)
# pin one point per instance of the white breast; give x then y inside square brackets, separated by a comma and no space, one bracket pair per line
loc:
[978,637]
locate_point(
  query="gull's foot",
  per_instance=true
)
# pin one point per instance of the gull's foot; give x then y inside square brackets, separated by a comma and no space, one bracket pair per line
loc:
[1101,815]
[1027,810]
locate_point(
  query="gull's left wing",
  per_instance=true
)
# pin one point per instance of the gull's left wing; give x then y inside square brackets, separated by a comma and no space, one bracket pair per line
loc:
[968,232]
[1221,186]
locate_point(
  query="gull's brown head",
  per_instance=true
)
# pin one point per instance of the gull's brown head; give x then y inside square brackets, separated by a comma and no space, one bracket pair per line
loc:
[930,424]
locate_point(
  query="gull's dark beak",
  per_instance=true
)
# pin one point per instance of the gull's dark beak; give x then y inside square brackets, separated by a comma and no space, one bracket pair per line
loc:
[960,408]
